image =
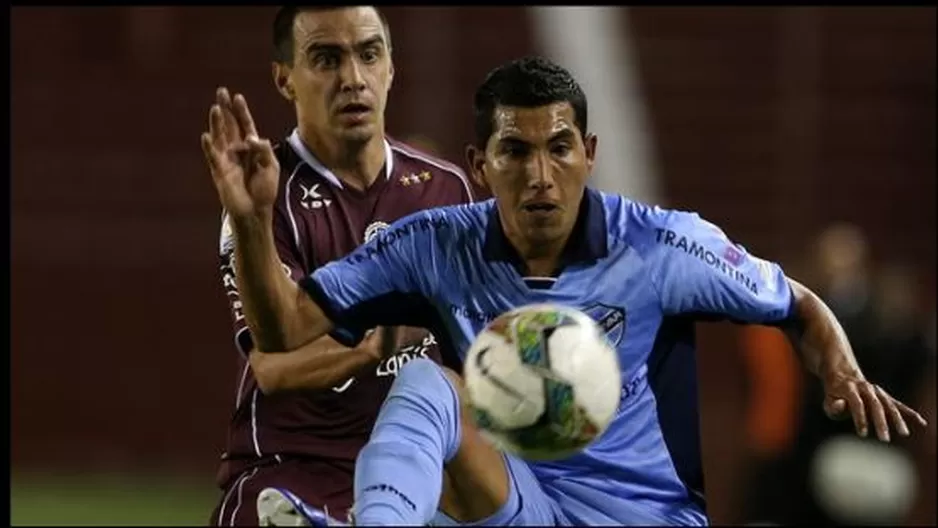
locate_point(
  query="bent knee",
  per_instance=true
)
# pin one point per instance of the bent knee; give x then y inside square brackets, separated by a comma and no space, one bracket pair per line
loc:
[454,378]
[419,370]
[423,369]
[427,377]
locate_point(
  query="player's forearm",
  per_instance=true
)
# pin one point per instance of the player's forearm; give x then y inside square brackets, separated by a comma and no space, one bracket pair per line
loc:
[316,366]
[280,315]
[819,337]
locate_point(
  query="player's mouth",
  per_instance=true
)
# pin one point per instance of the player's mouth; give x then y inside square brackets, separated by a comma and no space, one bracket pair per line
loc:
[540,208]
[355,111]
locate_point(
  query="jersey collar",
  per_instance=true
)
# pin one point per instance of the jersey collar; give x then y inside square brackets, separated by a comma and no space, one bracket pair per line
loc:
[587,243]
[307,156]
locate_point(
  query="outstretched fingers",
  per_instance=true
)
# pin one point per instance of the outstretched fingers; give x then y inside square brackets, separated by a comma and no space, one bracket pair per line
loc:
[232,131]
[911,413]
[243,115]
[214,141]
[216,128]
[208,149]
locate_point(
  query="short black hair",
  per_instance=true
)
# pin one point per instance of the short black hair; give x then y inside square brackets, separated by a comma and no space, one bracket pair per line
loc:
[283,28]
[527,82]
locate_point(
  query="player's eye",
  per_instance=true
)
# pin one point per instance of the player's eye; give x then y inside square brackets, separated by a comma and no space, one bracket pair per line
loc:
[369,56]
[560,149]
[326,60]
[515,150]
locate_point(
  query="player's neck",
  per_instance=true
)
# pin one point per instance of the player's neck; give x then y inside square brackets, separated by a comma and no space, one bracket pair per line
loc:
[357,165]
[542,267]
[541,259]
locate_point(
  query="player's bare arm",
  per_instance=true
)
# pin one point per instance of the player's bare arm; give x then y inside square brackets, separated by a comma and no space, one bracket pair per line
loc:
[323,363]
[246,172]
[316,366]
[827,353]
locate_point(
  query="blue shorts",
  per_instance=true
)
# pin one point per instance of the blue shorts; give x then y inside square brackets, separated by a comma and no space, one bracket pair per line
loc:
[531,504]
[527,504]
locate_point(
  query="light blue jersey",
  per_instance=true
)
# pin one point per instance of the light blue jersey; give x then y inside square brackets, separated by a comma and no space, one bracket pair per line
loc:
[645,274]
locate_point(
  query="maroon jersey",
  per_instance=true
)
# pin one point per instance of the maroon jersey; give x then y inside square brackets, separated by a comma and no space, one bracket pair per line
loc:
[317,219]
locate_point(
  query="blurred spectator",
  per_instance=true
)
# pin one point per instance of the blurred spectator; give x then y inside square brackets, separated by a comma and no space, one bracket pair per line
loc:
[843,269]
[827,474]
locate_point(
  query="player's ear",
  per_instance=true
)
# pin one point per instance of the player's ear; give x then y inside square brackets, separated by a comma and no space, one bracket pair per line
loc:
[475,160]
[281,74]
[589,144]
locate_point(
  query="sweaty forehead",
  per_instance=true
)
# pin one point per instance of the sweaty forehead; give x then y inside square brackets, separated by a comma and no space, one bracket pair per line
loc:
[341,26]
[534,124]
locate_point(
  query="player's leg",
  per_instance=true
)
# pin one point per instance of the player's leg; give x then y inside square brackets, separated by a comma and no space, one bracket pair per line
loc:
[239,503]
[422,431]
[523,489]
[482,485]
[279,506]
[236,505]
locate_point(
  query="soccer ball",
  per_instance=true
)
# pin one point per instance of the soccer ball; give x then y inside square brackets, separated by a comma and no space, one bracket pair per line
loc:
[542,381]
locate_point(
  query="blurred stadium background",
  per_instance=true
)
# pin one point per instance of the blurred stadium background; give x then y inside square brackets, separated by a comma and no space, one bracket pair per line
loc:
[808,133]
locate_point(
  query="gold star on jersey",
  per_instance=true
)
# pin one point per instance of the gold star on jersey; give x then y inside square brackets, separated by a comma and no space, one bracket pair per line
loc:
[414,179]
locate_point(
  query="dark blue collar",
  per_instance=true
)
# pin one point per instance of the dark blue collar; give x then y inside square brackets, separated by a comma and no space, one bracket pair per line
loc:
[587,241]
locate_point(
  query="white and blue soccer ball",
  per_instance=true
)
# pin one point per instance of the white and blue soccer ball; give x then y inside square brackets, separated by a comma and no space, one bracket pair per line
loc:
[543,382]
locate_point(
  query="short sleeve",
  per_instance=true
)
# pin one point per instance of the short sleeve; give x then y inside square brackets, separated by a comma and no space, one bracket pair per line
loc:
[697,269]
[388,281]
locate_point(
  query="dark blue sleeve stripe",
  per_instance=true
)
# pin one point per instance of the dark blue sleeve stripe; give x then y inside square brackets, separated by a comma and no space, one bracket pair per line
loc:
[344,334]
[390,309]
[312,288]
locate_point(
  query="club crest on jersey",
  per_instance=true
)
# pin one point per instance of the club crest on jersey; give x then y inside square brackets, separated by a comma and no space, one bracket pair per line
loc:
[610,319]
[374,228]
[311,198]
[414,179]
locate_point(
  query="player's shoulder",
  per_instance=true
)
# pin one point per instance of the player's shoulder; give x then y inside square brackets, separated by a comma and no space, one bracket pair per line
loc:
[410,160]
[634,222]
[458,217]
[414,157]
[448,226]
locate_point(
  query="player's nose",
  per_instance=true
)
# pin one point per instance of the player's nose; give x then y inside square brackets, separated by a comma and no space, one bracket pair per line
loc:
[351,76]
[539,172]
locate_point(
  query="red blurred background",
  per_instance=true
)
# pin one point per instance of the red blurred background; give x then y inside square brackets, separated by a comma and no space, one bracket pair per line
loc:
[771,122]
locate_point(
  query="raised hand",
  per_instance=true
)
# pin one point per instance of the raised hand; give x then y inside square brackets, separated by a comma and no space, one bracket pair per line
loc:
[851,397]
[243,166]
